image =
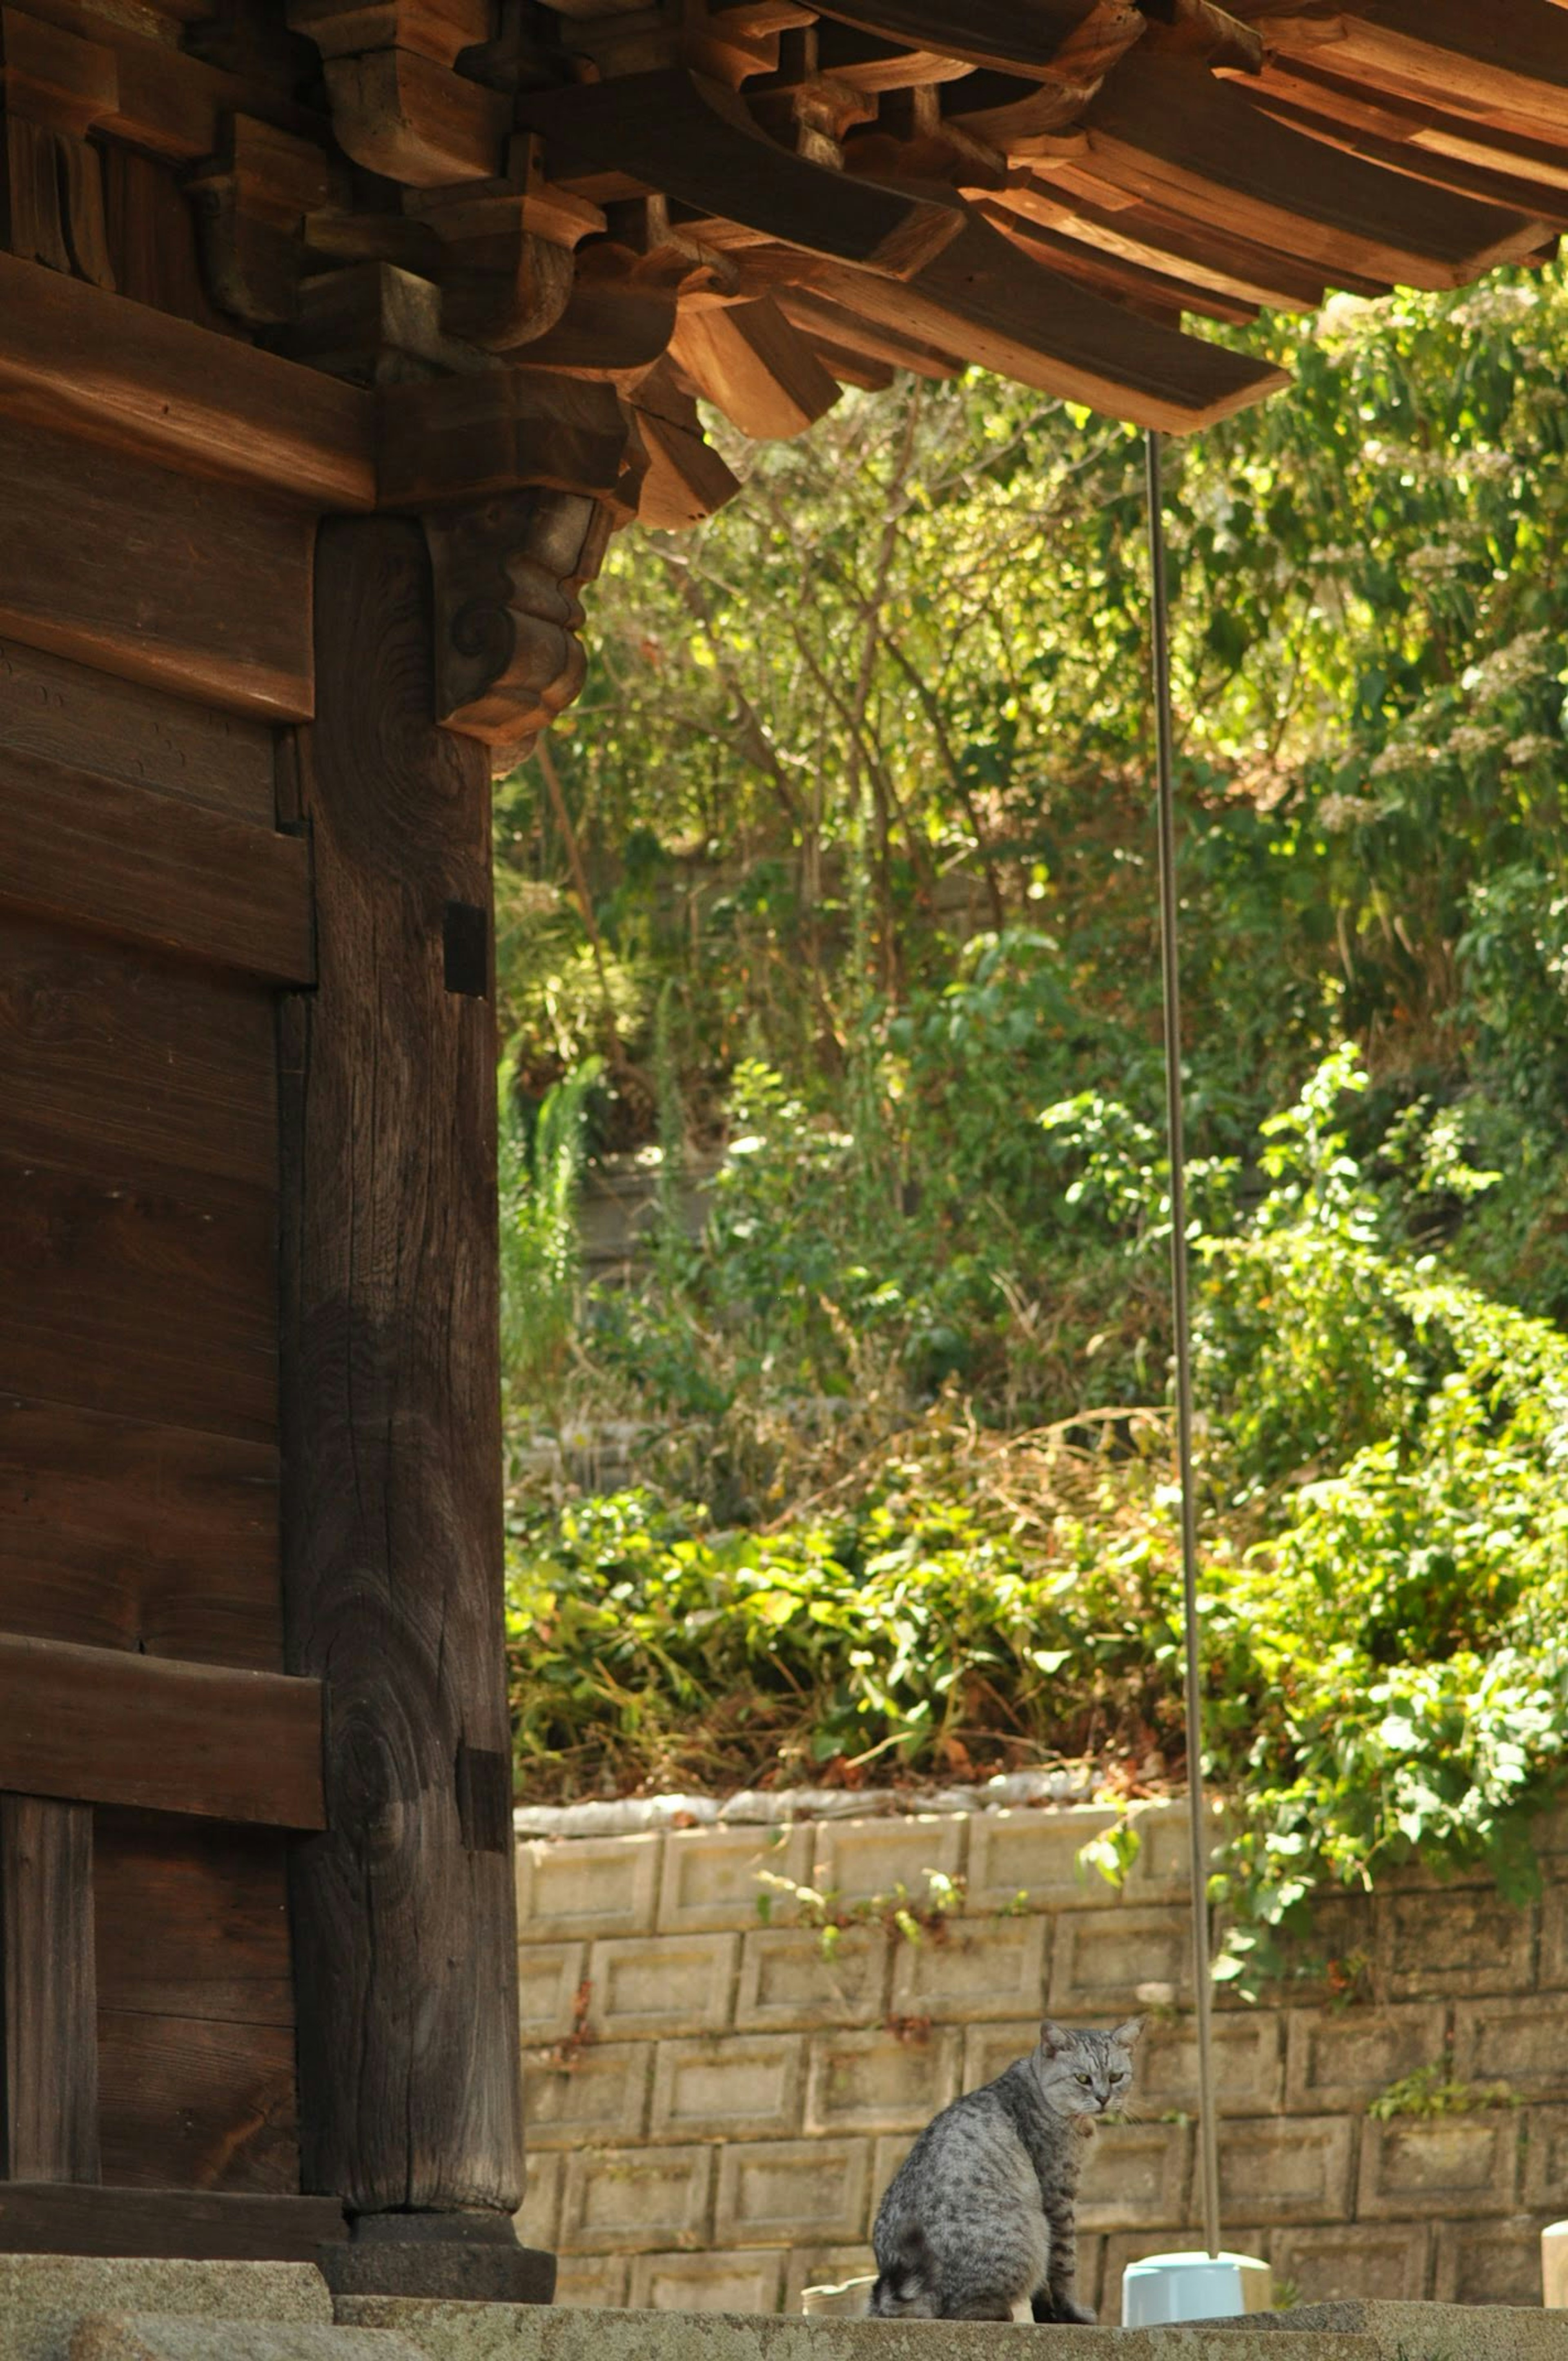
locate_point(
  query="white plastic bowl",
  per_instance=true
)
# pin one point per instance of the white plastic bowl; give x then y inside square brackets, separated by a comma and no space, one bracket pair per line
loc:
[1163,2288]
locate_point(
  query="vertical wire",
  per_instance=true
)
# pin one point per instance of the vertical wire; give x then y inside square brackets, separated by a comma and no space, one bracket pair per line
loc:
[1170,976]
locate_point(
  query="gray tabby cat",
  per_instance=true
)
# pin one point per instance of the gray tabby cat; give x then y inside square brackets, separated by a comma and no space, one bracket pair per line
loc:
[978,2221]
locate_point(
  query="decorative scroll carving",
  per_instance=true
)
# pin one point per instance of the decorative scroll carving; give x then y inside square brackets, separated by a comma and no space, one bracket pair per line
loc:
[53,86]
[507,572]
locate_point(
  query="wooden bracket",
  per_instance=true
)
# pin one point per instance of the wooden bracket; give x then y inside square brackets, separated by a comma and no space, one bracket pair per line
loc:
[506,250]
[251,205]
[507,572]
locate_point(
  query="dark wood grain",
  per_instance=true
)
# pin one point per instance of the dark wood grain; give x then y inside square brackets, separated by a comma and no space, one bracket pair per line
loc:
[97,1725]
[196,2004]
[171,2221]
[154,868]
[123,731]
[121,1534]
[208,591]
[150,1300]
[121,373]
[191,2104]
[192,1920]
[127,1057]
[49,2105]
[404,1935]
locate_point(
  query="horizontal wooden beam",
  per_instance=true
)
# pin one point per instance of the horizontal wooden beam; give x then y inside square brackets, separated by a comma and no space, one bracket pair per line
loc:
[153,869]
[75,359]
[154,573]
[985,301]
[197,2225]
[101,1725]
[1019,37]
[693,140]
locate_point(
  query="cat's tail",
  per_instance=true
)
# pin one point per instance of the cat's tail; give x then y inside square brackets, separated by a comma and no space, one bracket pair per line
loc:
[906,2284]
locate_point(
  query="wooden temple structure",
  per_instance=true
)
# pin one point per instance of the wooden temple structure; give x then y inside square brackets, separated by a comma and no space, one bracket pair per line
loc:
[337,336]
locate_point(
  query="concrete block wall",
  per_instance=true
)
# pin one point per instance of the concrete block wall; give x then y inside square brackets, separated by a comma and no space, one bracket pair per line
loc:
[714,2108]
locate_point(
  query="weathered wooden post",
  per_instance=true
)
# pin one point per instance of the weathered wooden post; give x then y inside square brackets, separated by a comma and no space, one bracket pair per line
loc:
[404,1914]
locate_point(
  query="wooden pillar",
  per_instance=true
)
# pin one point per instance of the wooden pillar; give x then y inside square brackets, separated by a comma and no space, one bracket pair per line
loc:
[49,2095]
[404,1914]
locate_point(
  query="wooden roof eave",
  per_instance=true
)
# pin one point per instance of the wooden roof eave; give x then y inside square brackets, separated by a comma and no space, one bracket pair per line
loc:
[1169,129]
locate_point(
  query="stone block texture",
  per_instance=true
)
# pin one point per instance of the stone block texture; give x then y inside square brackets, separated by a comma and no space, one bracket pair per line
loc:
[862,1860]
[1489,2262]
[995,1970]
[633,2201]
[586,1885]
[1457,1944]
[602,2093]
[773,2193]
[1136,2175]
[1523,2043]
[713,2128]
[640,1987]
[729,2086]
[789,1985]
[1465,2164]
[1378,2261]
[1106,1964]
[713,1879]
[1342,2058]
[748,2281]
[881,2081]
[549,1978]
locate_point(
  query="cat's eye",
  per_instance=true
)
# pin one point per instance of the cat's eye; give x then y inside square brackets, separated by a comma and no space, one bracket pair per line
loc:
[1086,2080]
[1119,2075]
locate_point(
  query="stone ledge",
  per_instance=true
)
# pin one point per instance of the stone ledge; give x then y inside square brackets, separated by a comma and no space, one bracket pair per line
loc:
[1424,2332]
[43,2297]
[172,2336]
[450,2333]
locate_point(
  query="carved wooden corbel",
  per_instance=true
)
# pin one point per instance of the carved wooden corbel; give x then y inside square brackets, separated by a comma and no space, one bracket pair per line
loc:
[507,248]
[507,574]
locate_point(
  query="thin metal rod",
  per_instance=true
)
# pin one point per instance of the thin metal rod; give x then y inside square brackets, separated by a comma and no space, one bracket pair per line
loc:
[1170,976]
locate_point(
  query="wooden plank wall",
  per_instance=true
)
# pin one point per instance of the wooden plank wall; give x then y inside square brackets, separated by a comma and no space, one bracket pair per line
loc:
[141,941]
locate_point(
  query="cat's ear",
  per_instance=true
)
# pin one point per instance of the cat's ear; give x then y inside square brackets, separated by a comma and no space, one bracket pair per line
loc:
[1127,2033]
[1054,2038]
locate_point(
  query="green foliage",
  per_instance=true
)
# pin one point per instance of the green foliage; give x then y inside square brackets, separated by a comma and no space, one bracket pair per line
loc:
[860,788]
[1435,2090]
[539,1164]
[1385,1655]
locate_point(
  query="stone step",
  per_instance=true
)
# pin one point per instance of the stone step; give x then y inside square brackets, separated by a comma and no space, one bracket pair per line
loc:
[1339,2332]
[448,2332]
[170,2336]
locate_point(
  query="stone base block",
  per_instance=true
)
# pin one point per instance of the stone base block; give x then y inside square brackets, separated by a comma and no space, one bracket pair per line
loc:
[43,2297]
[459,2257]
